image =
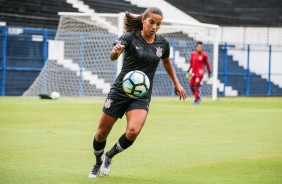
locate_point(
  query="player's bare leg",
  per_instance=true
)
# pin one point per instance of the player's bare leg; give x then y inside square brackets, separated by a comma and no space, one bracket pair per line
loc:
[104,128]
[135,121]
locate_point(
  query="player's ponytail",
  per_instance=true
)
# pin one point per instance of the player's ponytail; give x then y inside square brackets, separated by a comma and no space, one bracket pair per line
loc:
[134,23]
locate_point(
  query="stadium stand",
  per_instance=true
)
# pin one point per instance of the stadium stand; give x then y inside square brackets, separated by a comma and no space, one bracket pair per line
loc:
[29,13]
[258,13]
[44,14]
[63,76]
[22,52]
[237,78]
[109,6]
[185,48]
[40,14]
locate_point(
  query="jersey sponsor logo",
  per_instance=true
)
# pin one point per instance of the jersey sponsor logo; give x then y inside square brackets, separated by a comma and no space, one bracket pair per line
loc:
[159,51]
[108,103]
[138,48]
[200,58]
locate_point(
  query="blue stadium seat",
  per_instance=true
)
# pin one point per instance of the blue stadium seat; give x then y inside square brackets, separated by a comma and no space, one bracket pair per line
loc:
[237,78]
[109,6]
[233,12]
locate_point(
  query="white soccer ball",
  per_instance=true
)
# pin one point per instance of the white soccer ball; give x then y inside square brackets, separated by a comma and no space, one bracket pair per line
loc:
[136,84]
[55,95]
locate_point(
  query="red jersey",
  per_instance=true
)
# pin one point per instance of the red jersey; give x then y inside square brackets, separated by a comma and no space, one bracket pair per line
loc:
[198,62]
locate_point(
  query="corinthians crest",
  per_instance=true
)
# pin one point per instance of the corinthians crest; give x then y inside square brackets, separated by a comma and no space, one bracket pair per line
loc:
[108,103]
[159,51]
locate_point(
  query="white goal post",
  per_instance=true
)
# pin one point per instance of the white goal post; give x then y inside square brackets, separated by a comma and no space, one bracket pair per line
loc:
[85,69]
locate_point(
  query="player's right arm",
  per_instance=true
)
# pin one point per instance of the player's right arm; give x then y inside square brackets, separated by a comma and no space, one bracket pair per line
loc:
[116,52]
[120,44]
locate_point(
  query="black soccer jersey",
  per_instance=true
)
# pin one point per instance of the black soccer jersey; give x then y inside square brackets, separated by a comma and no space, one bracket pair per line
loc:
[139,55]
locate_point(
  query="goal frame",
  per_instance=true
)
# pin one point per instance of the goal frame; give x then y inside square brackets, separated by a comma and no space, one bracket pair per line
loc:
[100,17]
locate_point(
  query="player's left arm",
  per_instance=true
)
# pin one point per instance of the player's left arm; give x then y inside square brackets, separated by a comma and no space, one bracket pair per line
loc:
[208,65]
[179,90]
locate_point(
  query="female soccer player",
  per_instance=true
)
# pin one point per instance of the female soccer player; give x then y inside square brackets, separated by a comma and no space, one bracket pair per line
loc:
[143,49]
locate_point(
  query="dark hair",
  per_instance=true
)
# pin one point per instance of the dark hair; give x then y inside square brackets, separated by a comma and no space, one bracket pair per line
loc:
[134,23]
[199,43]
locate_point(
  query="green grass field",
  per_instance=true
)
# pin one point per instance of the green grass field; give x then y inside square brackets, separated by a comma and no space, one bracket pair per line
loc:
[232,140]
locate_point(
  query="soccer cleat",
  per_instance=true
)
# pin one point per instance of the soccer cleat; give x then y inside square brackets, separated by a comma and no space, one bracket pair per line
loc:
[105,169]
[197,102]
[95,171]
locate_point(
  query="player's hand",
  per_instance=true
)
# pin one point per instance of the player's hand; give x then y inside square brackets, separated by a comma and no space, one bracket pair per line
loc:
[116,52]
[187,75]
[118,48]
[180,91]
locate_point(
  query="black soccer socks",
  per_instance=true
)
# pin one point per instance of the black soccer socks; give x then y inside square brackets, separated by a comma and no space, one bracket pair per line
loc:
[98,150]
[122,144]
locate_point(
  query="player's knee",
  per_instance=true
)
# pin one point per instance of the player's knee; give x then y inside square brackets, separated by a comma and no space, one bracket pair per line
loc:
[101,135]
[132,133]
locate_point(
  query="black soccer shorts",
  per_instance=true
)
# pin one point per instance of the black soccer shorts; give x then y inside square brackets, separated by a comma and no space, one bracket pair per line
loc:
[118,103]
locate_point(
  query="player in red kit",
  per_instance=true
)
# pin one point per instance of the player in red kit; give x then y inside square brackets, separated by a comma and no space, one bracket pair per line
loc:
[198,62]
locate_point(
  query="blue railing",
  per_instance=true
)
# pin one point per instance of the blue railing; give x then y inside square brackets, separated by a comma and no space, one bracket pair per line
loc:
[23,50]
[4,46]
[231,71]
[269,71]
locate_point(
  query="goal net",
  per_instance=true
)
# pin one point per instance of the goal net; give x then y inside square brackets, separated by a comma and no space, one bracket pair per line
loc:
[79,64]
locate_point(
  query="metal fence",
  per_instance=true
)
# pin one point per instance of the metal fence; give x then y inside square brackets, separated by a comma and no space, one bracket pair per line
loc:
[23,53]
[252,70]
